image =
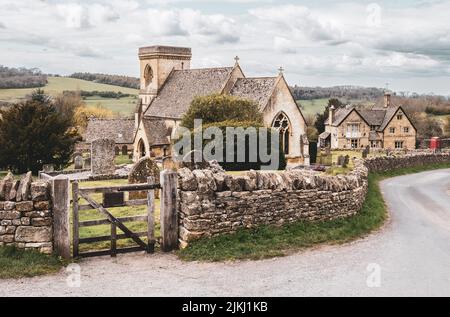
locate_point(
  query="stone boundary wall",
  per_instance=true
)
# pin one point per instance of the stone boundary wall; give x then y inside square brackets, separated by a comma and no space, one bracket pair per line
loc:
[389,163]
[211,202]
[26,219]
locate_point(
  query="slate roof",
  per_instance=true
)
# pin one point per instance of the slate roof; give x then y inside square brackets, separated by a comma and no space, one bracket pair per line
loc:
[156,131]
[390,112]
[373,117]
[120,130]
[183,86]
[256,89]
[373,136]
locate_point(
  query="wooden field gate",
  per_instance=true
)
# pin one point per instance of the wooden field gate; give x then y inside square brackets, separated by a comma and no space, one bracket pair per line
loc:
[168,217]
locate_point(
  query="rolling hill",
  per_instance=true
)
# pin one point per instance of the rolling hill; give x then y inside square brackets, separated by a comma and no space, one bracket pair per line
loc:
[56,85]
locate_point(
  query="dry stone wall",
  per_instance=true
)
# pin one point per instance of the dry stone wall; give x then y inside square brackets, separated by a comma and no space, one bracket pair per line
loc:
[389,163]
[26,219]
[211,202]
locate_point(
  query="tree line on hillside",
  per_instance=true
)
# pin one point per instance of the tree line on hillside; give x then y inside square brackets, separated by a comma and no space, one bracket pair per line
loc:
[343,92]
[95,93]
[116,80]
[16,78]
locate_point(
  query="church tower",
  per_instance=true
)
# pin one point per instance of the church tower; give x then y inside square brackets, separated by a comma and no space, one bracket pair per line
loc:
[156,63]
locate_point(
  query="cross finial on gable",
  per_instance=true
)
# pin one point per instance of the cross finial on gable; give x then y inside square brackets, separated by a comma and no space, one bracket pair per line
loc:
[237,59]
[281,69]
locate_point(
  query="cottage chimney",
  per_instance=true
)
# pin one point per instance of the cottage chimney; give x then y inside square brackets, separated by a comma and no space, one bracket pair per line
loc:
[331,116]
[387,99]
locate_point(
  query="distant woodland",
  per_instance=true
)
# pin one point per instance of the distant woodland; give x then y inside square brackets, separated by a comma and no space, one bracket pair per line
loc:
[342,92]
[15,78]
[116,80]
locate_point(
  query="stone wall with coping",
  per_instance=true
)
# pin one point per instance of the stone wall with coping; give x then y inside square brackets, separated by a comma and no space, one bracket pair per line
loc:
[211,202]
[393,162]
[26,219]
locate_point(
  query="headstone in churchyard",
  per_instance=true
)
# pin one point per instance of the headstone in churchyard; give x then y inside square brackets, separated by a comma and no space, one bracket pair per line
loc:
[113,199]
[346,161]
[340,160]
[124,150]
[117,150]
[78,161]
[87,163]
[139,174]
[102,157]
[48,168]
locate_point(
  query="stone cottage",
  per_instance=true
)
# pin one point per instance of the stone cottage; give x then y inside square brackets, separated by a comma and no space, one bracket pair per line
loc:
[388,127]
[168,86]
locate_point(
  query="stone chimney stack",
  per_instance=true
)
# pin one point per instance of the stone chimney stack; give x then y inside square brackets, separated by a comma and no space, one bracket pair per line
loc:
[387,99]
[331,116]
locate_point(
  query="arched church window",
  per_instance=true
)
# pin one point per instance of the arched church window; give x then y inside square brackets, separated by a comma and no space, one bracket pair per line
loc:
[148,75]
[281,123]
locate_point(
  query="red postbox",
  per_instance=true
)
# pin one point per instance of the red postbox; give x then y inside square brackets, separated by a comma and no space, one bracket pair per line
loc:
[435,144]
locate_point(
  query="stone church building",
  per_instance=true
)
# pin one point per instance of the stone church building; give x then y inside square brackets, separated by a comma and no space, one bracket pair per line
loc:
[168,86]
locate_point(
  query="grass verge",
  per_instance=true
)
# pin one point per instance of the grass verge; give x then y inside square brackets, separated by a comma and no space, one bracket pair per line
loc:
[272,241]
[15,263]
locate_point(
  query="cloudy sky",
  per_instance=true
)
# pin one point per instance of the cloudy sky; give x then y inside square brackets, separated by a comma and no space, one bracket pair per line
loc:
[405,43]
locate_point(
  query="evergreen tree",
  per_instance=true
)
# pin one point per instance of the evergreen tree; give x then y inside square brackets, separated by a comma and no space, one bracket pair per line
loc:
[33,134]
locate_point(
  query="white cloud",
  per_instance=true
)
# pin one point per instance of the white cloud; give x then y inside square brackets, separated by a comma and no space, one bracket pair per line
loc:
[329,41]
[190,22]
[83,16]
[300,22]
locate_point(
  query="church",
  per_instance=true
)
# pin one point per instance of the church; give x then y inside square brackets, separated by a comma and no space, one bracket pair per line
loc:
[168,86]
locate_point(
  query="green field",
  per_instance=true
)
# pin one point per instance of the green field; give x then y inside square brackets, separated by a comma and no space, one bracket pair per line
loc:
[312,107]
[57,85]
[315,106]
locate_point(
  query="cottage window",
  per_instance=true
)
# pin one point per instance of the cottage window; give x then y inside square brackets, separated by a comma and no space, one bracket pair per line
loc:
[399,116]
[406,129]
[399,145]
[391,130]
[354,143]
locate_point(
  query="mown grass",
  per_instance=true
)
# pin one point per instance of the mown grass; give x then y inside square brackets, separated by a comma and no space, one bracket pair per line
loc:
[272,241]
[105,230]
[15,263]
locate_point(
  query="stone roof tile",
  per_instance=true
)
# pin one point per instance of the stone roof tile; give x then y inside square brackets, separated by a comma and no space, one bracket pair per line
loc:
[183,86]
[119,130]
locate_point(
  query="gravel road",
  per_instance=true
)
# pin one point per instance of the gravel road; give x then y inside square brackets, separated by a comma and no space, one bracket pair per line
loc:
[410,256]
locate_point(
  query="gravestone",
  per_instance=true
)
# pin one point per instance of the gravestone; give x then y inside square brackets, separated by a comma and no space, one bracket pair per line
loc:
[48,168]
[139,174]
[365,153]
[78,161]
[340,160]
[87,163]
[346,161]
[113,199]
[117,150]
[102,157]
[124,150]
